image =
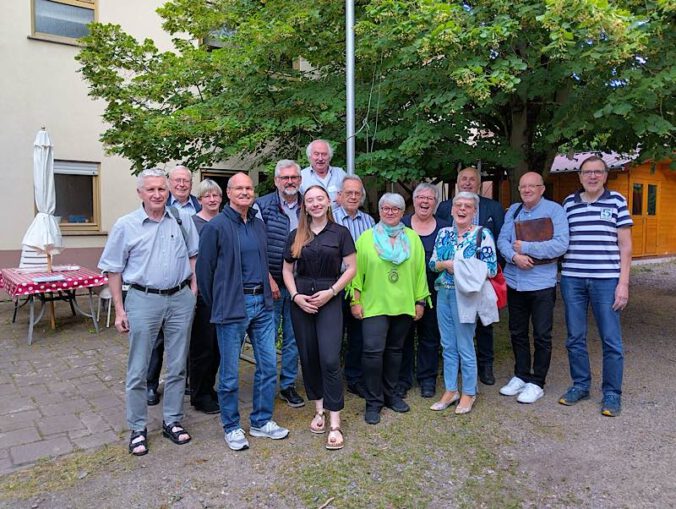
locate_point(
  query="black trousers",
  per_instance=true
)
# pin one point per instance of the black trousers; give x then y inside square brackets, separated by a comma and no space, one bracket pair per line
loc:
[353,331]
[484,344]
[427,366]
[381,356]
[537,307]
[319,339]
[155,365]
[204,357]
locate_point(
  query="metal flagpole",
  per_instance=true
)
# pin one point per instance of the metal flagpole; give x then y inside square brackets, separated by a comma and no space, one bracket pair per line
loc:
[349,83]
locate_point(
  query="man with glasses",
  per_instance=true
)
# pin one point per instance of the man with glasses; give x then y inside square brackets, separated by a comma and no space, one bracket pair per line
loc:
[490,215]
[233,279]
[596,271]
[530,271]
[279,211]
[180,186]
[352,196]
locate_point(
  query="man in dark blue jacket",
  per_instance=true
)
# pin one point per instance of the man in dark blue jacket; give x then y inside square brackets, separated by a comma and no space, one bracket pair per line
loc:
[491,215]
[232,274]
[279,211]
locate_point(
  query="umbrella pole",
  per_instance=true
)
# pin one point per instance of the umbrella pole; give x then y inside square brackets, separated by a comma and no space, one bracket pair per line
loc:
[52,310]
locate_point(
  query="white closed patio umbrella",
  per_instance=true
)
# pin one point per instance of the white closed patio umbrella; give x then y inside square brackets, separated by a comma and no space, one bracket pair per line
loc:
[44,234]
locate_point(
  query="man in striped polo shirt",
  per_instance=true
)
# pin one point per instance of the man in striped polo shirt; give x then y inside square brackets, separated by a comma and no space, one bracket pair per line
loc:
[596,270]
[352,196]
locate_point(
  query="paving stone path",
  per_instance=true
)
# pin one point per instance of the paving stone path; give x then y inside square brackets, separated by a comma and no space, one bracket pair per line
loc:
[65,392]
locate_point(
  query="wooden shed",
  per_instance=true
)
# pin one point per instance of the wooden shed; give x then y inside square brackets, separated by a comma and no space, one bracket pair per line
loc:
[650,192]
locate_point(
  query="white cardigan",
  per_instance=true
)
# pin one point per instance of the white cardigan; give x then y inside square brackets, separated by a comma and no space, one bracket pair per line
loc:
[474,293]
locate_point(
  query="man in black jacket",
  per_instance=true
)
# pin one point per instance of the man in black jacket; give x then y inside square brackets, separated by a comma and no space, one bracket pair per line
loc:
[279,211]
[232,275]
[491,215]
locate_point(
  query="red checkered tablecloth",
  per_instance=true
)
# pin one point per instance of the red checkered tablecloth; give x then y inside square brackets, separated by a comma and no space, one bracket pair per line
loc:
[17,283]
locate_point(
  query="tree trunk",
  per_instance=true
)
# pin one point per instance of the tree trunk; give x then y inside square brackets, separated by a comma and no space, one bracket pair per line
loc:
[519,140]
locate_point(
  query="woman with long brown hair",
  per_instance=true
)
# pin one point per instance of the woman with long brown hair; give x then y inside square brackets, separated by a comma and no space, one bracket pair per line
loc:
[313,258]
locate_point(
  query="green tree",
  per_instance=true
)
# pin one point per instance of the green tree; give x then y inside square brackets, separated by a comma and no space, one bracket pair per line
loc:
[507,82]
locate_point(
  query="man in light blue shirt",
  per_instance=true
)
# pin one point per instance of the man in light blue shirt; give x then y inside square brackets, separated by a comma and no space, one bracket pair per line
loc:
[320,172]
[530,272]
[154,252]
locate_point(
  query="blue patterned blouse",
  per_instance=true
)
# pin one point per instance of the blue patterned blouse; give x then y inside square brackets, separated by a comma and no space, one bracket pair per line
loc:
[447,244]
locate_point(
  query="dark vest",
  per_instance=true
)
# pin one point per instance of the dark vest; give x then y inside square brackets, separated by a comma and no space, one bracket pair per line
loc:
[277,226]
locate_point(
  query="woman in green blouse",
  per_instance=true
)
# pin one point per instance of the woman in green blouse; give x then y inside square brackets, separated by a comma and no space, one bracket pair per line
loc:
[389,291]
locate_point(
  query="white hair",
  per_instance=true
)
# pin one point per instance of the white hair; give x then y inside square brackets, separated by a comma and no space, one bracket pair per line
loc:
[393,199]
[151,172]
[286,163]
[308,150]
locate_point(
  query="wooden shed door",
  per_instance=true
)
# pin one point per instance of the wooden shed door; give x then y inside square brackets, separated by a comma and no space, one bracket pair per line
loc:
[643,208]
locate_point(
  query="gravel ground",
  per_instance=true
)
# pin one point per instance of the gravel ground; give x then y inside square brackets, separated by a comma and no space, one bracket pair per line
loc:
[501,455]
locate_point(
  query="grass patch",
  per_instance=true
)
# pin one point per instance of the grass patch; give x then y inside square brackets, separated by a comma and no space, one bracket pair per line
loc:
[417,459]
[57,475]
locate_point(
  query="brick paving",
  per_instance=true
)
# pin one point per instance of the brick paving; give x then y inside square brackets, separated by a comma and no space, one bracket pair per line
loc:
[65,392]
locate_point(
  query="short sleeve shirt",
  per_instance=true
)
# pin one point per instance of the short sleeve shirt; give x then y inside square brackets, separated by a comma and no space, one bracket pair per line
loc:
[322,257]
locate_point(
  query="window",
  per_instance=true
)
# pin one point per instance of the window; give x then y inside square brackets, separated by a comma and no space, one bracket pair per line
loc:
[62,20]
[637,200]
[77,196]
[652,200]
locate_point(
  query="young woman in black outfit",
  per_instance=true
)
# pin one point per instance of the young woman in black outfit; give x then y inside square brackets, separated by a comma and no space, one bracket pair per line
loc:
[316,252]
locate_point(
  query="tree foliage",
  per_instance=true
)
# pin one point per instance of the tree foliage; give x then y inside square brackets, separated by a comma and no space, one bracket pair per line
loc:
[507,82]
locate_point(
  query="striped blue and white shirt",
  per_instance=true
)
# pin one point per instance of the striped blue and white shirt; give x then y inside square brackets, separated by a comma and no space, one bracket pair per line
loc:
[357,224]
[593,251]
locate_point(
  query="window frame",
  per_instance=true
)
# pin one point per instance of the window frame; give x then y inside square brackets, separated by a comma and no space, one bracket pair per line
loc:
[44,36]
[94,226]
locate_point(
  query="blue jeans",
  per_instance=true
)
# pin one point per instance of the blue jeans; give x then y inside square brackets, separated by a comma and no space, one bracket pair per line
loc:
[260,326]
[289,371]
[577,294]
[457,341]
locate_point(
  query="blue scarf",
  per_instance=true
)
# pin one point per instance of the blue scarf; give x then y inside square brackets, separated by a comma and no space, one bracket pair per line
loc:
[397,253]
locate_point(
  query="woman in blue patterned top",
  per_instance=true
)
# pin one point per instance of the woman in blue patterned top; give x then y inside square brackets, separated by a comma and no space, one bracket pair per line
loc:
[457,337]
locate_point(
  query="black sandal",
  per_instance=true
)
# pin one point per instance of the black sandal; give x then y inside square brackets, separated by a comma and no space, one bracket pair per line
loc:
[173,435]
[133,445]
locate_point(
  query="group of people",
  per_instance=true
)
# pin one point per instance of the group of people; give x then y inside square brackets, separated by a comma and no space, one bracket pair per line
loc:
[306,260]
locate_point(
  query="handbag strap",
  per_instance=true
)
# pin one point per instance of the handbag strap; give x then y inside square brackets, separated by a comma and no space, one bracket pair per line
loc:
[478,241]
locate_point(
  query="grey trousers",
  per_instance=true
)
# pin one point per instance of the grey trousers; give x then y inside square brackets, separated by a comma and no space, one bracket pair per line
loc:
[147,313]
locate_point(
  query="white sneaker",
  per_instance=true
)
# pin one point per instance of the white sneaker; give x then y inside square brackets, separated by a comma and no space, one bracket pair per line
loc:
[513,387]
[236,440]
[270,430]
[530,394]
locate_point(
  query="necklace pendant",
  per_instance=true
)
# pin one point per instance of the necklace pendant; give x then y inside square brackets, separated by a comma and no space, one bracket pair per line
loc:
[393,275]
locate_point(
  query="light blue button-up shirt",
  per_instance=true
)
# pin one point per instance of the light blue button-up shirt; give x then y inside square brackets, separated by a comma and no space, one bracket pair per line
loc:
[357,224]
[333,181]
[150,253]
[540,276]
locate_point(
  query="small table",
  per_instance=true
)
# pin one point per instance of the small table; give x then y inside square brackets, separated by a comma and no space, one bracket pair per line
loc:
[36,285]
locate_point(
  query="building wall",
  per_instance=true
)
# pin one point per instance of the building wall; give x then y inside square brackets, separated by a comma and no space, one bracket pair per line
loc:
[40,86]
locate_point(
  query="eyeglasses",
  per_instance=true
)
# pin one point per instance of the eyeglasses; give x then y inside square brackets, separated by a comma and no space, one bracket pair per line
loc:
[390,210]
[421,197]
[589,173]
[530,187]
[287,178]
[351,194]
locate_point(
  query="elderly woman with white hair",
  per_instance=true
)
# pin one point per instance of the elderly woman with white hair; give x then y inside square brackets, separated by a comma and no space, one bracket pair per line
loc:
[389,292]
[463,240]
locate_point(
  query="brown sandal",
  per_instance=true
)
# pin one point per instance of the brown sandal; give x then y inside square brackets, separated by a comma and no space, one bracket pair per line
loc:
[334,445]
[321,427]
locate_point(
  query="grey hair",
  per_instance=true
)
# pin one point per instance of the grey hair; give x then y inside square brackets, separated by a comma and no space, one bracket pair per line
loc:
[151,172]
[308,150]
[179,167]
[426,186]
[208,186]
[474,169]
[356,178]
[286,163]
[394,199]
[466,195]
